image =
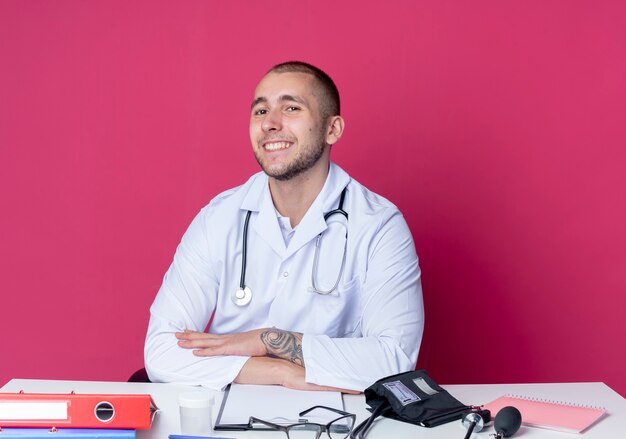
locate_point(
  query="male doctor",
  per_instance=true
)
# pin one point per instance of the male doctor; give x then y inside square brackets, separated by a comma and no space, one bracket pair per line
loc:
[296,299]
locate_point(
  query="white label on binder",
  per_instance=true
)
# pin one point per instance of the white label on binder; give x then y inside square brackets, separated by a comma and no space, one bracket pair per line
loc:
[26,411]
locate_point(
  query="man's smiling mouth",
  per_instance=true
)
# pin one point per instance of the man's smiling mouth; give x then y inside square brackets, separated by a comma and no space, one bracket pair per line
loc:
[275,146]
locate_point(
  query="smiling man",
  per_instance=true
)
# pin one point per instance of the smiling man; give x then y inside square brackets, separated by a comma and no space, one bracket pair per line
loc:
[311,280]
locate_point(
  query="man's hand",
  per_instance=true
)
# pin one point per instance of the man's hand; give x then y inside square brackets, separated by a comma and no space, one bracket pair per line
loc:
[265,370]
[257,343]
[208,345]
[285,369]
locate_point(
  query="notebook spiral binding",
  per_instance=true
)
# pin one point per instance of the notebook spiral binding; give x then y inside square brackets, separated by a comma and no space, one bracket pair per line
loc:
[551,401]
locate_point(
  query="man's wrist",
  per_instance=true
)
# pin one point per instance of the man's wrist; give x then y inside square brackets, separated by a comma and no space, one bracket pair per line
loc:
[283,344]
[289,372]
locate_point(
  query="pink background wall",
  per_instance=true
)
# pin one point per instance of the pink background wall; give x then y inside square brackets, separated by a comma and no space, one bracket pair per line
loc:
[497,127]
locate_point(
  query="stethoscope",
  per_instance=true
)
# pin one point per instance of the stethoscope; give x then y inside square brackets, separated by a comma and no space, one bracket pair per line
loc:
[243,295]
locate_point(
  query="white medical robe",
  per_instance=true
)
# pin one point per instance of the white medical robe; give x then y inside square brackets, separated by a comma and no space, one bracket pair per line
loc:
[370,327]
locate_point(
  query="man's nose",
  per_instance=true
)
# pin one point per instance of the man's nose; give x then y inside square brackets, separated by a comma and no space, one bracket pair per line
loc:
[272,121]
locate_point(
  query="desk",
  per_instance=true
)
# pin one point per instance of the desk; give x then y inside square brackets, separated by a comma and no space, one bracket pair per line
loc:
[166,397]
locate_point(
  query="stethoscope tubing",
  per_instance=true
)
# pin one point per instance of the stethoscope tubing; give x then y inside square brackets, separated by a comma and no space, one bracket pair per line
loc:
[244,252]
[339,208]
[243,295]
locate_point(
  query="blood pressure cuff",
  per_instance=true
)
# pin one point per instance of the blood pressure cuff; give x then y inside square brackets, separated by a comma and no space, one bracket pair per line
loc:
[413,397]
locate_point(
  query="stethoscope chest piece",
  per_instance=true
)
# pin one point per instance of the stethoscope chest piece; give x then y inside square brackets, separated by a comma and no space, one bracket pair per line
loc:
[242,296]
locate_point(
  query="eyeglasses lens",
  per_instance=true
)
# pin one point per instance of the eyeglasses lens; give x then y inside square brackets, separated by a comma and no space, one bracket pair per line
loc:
[304,431]
[341,428]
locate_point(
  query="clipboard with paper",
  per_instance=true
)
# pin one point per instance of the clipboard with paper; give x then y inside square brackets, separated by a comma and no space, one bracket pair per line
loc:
[275,404]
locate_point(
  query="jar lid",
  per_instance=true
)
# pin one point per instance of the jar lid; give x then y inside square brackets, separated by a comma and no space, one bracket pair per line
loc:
[196,399]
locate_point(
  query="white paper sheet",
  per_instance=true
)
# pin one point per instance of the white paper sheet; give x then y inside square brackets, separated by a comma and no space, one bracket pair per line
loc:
[277,404]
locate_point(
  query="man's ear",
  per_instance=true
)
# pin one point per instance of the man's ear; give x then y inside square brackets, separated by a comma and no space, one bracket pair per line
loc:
[336,125]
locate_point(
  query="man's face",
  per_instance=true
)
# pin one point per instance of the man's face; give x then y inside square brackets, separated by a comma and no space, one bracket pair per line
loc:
[287,131]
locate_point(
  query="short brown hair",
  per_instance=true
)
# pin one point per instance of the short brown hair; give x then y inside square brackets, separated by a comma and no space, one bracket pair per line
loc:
[329,101]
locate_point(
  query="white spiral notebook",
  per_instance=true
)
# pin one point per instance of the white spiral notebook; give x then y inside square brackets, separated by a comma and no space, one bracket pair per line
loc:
[553,415]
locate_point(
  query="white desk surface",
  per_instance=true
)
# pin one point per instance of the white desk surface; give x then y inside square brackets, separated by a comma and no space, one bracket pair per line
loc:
[613,425]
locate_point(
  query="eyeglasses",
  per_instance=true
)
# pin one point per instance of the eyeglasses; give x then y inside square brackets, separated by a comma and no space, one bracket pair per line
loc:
[339,428]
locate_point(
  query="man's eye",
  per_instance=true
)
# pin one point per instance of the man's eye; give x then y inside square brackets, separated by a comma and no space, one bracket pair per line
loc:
[260,112]
[292,108]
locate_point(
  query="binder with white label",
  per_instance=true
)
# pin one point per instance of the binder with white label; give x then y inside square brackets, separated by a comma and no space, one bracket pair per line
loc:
[121,411]
[67,433]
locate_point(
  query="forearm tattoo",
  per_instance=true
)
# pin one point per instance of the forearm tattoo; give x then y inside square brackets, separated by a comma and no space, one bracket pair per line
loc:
[283,344]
